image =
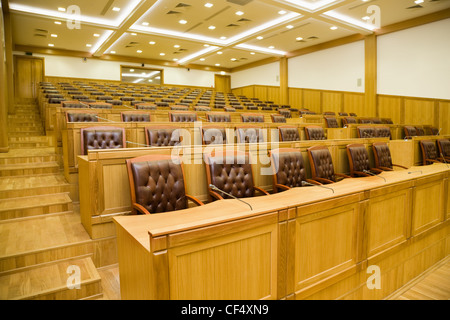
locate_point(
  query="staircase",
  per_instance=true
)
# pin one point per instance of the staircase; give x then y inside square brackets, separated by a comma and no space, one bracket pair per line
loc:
[44,249]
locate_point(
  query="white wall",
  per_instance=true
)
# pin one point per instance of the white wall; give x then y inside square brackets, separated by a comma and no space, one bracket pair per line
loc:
[61,66]
[416,61]
[266,75]
[336,68]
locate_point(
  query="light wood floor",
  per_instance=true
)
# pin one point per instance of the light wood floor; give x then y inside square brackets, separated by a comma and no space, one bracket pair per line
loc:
[433,284]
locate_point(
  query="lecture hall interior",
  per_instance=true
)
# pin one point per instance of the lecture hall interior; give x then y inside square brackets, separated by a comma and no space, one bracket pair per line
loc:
[225,150]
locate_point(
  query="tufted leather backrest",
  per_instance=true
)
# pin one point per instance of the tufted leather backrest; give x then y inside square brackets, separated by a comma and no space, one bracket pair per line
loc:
[230,172]
[366,132]
[285,112]
[278,118]
[288,167]
[81,117]
[314,133]
[181,116]
[382,155]
[329,113]
[218,117]
[157,183]
[146,106]
[249,135]
[202,108]
[358,158]
[331,122]
[420,131]
[179,107]
[343,114]
[100,105]
[102,138]
[365,121]
[387,121]
[73,104]
[288,133]
[382,132]
[214,135]
[429,150]
[348,120]
[444,147]
[252,117]
[229,109]
[410,131]
[135,116]
[321,163]
[161,136]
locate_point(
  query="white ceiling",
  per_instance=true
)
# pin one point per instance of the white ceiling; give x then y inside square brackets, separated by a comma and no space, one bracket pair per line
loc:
[284,25]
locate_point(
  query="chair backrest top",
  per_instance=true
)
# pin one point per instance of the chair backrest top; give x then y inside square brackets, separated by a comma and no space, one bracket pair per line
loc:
[289,133]
[429,150]
[314,133]
[218,117]
[102,137]
[213,135]
[182,116]
[249,134]
[135,116]
[444,147]
[161,135]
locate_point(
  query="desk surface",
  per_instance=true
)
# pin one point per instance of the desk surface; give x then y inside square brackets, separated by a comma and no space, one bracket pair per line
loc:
[140,227]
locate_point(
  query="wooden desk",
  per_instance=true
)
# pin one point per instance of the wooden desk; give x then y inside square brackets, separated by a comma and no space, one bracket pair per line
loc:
[305,243]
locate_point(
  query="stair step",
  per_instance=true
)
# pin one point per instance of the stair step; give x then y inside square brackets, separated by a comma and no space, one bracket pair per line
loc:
[33,206]
[53,281]
[32,155]
[36,130]
[26,186]
[28,169]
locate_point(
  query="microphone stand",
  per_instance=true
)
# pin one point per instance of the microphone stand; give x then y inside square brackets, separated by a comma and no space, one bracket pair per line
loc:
[443,158]
[305,183]
[230,195]
[373,174]
[415,172]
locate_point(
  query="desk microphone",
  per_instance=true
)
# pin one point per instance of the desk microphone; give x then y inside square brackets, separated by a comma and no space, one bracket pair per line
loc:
[105,119]
[439,132]
[217,189]
[415,172]
[373,174]
[304,183]
[443,158]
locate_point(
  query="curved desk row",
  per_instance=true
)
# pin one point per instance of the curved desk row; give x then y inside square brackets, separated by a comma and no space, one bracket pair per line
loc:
[305,243]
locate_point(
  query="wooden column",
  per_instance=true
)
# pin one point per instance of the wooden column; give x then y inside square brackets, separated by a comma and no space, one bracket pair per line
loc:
[4,146]
[370,99]
[9,62]
[284,88]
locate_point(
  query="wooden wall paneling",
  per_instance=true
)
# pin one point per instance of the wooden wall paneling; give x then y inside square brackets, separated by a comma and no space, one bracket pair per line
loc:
[260,92]
[274,94]
[312,100]
[444,116]
[390,107]
[419,111]
[296,98]
[284,81]
[331,101]
[354,102]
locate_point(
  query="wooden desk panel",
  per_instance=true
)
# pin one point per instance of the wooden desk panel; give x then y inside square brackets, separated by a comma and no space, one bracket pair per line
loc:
[302,243]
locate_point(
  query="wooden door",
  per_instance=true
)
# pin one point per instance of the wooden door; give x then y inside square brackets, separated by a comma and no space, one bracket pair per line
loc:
[28,73]
[222,83]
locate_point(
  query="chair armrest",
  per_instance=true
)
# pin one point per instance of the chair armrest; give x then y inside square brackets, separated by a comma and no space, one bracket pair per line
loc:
[385,169]
[397,165]
[361,174]
[140,208]
[261,190]
[431,160]
[341,175]
[215,195]
[195,200]
[282,186]
[321,180]
[317,183]
[376,170]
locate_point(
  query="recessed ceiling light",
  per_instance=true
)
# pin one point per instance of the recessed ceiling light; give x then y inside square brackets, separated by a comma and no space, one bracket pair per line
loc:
[182,21]
[333,28]
[299,38]
[289,26]
[202,59]
[88,45]
[219,52]
[252,53]
[176,46]
[51,45]
[222,73]
[208,5]
[206,45]
[54,35]
[418,1]
[175,59]
[116,9]
[217,64]
[139,51]
[239,13]
[112,52]
[57,22]
[145,23]
[152,42]
[271,47]
[366,18]
[223,38]
[259,38]
[233,59]
[281,12]
[211,27]
[62,9]
[96,35]
[162,54]
[134,34]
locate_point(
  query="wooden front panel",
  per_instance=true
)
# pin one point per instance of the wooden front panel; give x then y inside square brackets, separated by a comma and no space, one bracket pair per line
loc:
[419,112]
[295,97]
[387,220]
[238,266]
[390,107]
[428,204]
[354,102]
[325,243]
[332,101]
[312,100]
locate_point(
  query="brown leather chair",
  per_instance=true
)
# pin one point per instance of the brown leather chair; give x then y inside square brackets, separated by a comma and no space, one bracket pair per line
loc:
[73,104]
[382,154]
[444,148]
[285,113]
[329,113]
[132,116]
[331,122]
[322,169]
[249,134]
[145,106]
[348,120]
[430,153]
[358,158]
[179,107]
[365,121]
[182,116]
[366,132]
[383,132]
[288,133]
[100,105]
[288,169]
[218,117]
[314,133]
[230,172]
[81,116]
[229,109]
[387,121]
[410,132]
[278,118]
[214,135]
[420,131]
[352,114]
[343,114]
[162,136]
[157,184]
[202,108]
[252,117]
[102,137]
